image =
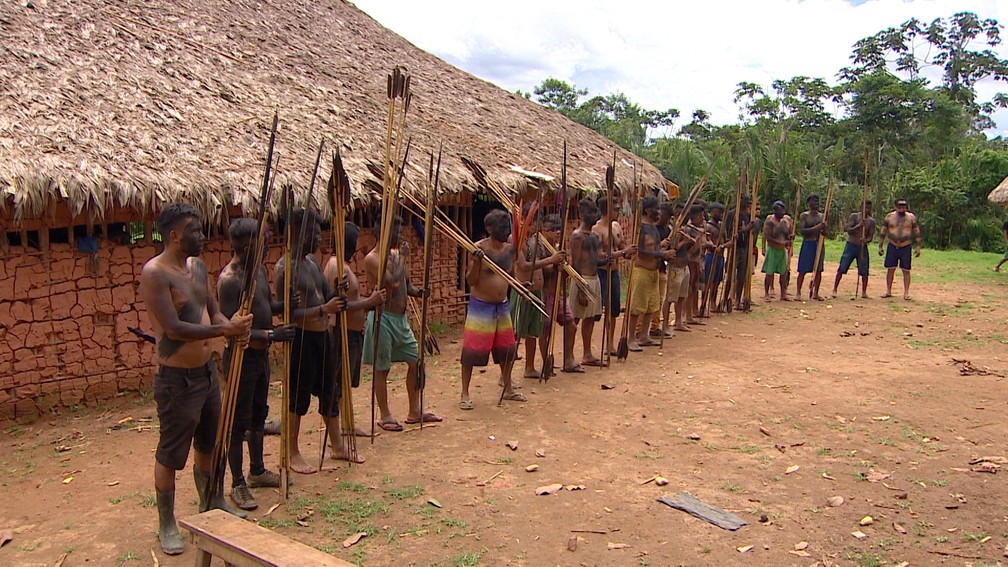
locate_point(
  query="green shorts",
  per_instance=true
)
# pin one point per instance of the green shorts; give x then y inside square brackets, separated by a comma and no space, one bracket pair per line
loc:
[397,342]
[528,321]
[776,261]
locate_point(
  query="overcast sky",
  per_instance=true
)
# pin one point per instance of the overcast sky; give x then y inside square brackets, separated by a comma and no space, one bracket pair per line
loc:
[684,55]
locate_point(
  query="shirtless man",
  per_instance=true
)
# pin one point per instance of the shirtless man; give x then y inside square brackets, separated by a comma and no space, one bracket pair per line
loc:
[714,257]
[695,230]
[610,254]
[645,300]
[551,231]
[488,328]
[184,318]
[1004,229]
[859,235]
[251,407]
[396,342]
[356,311]
[664,230]
[901,228]
[312,364]
[811,223]
[584,253]
[776,233]
[528,321]
[678,245]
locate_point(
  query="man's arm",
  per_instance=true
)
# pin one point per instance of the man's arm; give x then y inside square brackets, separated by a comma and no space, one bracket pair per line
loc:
[883,234]
[156,294]
[917,234]
[853,225]
[576,245]
[472,276]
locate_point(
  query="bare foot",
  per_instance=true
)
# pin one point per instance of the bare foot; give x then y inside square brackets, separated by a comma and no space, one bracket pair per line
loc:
[532,374]
[864,296]
[428,417]
[682,328]
[514,383]
[342,455]
[361,433]
[299,465]
[885,295]
[768,298]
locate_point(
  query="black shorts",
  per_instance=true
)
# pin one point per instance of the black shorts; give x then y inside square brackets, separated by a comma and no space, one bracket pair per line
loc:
[252,406]
[188,406]
[611,292]
[898,256]
[313,365]
[355,346]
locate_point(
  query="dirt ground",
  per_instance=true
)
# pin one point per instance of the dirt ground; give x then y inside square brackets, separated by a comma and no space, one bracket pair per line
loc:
[767,415]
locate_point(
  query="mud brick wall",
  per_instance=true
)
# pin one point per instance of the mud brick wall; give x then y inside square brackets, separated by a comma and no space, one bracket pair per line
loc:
[64,316]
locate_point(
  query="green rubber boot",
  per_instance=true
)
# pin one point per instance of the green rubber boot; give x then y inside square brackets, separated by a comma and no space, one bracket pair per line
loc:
[168,532]
[217,502]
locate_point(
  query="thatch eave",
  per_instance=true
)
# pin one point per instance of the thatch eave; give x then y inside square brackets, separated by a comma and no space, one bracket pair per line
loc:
[999,194]
[110,103]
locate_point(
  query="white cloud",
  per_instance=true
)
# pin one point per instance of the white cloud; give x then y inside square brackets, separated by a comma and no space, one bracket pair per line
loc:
[685,55]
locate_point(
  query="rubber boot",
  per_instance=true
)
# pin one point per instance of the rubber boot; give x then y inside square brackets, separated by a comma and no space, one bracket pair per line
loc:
[217,502]
[168,532]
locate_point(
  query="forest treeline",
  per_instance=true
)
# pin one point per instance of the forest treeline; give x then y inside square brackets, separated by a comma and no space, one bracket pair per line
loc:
[907,100]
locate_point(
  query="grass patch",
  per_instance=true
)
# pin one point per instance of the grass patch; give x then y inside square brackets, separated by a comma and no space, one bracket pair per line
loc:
[346,486]
[729,486]
[405,492]
[648,455]
[117,499]
[128,556]
[274,523]
[748,449]
[149,500]
[29,547]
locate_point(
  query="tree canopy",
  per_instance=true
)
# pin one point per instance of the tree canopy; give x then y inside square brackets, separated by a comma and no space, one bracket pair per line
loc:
[908,101]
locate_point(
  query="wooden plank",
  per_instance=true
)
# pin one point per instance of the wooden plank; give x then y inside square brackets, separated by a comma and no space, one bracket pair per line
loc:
[688,503]
[244,544]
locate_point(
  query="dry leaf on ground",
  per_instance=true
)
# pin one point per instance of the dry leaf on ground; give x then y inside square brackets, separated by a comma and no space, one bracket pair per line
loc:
[352,540]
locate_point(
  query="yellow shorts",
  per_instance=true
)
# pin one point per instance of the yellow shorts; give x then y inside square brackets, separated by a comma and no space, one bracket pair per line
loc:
[645,291]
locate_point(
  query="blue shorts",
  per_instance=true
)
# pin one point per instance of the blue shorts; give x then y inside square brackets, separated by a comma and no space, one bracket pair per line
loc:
[610,293]
[898,256]
[718,267]
[854,253]
[806,257]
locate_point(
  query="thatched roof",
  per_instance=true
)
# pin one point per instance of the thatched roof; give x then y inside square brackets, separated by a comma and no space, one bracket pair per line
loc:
[116,103]
[1000,193]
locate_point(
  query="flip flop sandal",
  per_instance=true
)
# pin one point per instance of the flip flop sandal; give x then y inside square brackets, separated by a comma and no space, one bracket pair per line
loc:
[467,404]
[574,370]
[390,425]
[516,397]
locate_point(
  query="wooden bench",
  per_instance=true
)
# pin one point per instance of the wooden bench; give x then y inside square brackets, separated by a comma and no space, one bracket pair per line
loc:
[244,544]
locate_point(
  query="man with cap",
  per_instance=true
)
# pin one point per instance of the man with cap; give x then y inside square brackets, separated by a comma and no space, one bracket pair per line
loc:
[776,233]
[901,227]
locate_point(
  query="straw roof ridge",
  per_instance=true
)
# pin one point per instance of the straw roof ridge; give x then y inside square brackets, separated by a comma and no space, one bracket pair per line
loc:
[999,194]
[115,103]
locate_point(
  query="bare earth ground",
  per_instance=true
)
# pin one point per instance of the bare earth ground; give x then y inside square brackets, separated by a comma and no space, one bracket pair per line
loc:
[881,417]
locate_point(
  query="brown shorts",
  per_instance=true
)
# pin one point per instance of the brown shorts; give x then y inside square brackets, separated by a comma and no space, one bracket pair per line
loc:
[678,282]
[188,406]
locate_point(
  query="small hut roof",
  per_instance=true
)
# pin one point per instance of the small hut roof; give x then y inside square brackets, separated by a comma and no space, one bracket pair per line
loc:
[1000,193]
[138,103]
